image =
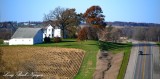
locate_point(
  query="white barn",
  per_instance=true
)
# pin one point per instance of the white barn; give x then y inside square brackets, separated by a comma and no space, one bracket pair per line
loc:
[51,32]
[27,36]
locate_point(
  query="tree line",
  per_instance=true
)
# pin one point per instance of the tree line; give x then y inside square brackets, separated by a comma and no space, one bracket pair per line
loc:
[95,29]
[69,20]
[143,33]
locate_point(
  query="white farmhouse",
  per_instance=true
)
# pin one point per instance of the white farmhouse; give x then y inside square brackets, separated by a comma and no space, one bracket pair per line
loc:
[51,32]
[27,36]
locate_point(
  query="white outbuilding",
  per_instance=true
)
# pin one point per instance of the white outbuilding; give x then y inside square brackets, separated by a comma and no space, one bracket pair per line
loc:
[27,36]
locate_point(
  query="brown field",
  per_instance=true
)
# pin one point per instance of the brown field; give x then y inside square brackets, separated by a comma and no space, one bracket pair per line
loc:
[51,62]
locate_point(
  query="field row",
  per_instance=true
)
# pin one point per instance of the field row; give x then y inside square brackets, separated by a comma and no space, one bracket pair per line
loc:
[53,63]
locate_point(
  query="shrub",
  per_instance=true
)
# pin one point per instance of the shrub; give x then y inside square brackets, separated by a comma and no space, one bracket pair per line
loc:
[57,39]
[88,32]
[102,45]
[71,32]
[1,41]
[47,39]
[82,35]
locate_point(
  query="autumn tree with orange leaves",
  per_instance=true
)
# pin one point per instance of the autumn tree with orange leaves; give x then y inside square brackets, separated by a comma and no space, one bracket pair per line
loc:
[94,17]
[82,35]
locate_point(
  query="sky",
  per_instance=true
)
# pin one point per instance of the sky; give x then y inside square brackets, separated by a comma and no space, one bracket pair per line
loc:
[147,11]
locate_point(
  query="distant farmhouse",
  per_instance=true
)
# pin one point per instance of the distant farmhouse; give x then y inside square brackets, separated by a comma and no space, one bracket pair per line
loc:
[51,32]
[30,36]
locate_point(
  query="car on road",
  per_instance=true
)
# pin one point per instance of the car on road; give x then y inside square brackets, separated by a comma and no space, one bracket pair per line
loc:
[140,52]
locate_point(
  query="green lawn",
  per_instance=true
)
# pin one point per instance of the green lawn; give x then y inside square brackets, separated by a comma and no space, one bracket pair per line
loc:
[124,64]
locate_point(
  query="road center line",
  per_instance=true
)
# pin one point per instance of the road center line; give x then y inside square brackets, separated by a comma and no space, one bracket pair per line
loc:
[139,64]
[143,67]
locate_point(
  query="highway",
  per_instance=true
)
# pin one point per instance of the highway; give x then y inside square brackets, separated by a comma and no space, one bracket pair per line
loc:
[145,66]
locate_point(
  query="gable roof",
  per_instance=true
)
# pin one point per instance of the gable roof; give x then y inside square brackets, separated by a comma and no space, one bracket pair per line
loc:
[54,27]
[45,27]
[25,32]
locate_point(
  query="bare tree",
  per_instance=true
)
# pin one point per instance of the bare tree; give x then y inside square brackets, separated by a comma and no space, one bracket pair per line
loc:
[62,18]
[146,33]
[115,34]
[153,34]
[139,33]
[110,34]
[127,32]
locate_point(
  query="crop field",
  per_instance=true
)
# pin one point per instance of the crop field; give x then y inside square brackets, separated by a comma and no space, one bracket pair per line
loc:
[46,62]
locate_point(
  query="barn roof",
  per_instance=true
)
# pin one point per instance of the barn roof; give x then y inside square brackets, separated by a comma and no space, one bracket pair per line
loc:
[25,32]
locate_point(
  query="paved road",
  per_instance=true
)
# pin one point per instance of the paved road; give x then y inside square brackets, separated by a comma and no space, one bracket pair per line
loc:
[156,62]
[145,66]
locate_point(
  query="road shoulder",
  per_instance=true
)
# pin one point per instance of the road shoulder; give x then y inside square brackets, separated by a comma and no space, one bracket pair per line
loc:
[132,62]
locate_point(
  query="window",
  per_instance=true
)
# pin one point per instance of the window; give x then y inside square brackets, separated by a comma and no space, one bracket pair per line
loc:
[48,29]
